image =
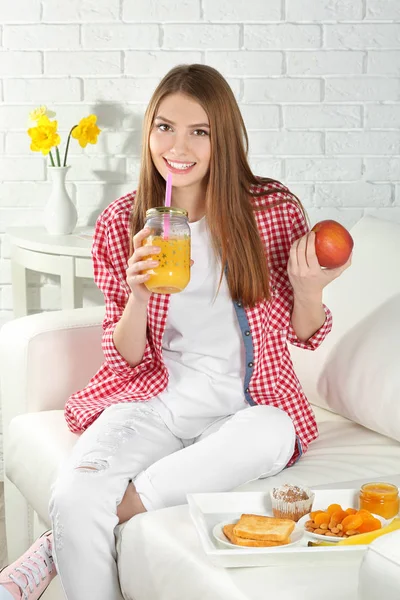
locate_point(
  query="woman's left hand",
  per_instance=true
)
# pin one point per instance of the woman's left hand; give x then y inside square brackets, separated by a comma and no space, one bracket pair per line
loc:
[307,277]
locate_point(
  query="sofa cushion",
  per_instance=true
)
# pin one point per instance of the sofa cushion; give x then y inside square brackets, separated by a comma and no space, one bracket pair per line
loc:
[38,442]
[369,284]
[361,378]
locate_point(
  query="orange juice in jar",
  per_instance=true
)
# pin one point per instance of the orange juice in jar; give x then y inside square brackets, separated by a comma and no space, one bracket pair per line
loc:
[170,232]
[380,499]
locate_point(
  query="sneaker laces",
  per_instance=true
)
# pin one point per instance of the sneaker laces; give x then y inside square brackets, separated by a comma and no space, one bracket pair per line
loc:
[34,571]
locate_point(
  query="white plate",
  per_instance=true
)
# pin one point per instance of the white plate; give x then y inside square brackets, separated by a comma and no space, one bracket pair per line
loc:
[330,538]
[219,535]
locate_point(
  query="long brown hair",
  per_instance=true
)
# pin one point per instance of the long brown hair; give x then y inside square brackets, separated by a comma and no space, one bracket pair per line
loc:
[229,210]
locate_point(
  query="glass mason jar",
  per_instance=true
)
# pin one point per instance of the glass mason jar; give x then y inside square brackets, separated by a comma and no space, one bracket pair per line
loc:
[170,231]
[380,498]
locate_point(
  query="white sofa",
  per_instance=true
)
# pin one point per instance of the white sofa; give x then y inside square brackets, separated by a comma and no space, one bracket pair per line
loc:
[354,374]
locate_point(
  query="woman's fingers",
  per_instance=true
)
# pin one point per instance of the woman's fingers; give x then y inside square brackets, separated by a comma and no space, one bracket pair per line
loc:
[143,252]
[141,265]
[293,262]
[311,255]
[297,254]
[301,253]
[142,260]
[141,278]
[139,237]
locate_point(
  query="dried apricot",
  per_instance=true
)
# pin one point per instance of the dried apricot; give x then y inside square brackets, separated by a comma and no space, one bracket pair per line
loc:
[314,513]
[352,522]
[366,516]
[337,517]
[350,511]
[322,517]
[333,508]
[364,511]
[369,525]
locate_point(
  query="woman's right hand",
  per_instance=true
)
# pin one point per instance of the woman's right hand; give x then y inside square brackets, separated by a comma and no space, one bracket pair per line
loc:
[141,260]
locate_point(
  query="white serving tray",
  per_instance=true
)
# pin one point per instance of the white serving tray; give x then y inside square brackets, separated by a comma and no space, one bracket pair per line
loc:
[207,510]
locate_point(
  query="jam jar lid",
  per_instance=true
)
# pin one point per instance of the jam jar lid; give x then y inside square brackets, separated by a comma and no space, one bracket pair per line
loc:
[172,211]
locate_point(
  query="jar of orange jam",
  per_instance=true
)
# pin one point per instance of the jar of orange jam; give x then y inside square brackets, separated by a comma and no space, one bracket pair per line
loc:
[380,498]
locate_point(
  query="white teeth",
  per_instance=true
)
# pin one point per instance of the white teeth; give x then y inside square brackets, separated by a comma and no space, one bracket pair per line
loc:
[181,166]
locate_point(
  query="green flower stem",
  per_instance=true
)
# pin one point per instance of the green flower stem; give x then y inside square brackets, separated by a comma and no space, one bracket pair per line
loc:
[66,149]
[58,157]
[51,159]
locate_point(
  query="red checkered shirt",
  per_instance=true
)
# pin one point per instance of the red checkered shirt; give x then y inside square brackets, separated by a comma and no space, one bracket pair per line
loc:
[273,380]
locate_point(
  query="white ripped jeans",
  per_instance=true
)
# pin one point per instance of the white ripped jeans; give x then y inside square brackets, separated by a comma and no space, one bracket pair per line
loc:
[130,442]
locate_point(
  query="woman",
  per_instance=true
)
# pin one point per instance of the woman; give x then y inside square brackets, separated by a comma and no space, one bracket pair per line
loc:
[197,391]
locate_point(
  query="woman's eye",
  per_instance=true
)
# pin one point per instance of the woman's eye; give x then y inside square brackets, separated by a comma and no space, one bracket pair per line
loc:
[163,127]
[200,132]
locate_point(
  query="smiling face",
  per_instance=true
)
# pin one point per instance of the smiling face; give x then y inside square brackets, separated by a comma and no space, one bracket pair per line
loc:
[180,141]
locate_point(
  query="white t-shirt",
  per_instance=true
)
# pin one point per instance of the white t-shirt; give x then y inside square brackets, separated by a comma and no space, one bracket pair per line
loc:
[202,347]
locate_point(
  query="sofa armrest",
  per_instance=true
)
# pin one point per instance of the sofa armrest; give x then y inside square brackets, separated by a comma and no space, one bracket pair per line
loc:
[46,357]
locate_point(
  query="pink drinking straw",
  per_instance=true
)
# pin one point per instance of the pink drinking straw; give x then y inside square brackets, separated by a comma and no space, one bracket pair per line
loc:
[168,192]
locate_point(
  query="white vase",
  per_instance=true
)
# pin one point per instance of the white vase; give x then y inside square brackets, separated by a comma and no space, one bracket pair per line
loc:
[60,216]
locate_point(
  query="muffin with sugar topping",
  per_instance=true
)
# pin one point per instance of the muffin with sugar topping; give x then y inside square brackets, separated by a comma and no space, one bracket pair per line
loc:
[291,501]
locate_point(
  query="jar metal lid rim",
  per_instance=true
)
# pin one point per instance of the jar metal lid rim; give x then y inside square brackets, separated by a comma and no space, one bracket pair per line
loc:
[167,209]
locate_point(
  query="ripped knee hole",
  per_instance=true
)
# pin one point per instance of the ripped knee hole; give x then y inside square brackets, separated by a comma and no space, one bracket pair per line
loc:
[98,465]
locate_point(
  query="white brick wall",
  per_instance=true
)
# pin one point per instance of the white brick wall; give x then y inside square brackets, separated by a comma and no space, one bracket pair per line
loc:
[318,83]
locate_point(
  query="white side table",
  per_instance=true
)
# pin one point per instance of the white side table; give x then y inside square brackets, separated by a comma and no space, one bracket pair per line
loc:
[68,256]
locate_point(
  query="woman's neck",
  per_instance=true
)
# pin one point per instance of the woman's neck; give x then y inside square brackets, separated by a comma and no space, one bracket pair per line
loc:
[192,200]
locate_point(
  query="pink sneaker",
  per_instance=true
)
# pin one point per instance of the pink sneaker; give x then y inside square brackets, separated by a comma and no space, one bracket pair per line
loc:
[28,577]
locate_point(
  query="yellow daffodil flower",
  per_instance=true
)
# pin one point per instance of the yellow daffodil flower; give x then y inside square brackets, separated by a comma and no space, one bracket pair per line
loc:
[86,132]
[44,136]
[41,111]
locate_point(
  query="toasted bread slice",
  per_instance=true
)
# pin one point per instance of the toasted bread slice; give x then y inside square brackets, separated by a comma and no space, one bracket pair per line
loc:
[257,527]
[228,531]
